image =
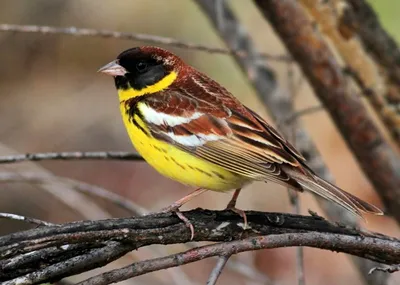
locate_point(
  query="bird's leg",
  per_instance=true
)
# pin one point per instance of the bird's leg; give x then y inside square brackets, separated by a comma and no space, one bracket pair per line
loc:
[174,207]
[179,203]
[232,206]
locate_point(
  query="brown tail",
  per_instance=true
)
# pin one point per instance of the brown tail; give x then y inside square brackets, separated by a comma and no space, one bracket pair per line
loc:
[330,192]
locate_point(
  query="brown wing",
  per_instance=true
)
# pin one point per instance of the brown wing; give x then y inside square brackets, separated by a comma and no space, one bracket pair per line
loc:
[222,131]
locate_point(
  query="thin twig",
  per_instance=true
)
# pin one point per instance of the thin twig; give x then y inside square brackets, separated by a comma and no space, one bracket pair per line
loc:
[33,177]
[74,31]
[217,270]
[118,200]
[60,191]
[298,114]
[77,155]
[25,219]
[293,195]
[301,278]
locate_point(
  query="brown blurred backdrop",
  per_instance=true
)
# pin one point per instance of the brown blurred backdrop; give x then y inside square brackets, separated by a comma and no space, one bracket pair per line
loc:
[52,99]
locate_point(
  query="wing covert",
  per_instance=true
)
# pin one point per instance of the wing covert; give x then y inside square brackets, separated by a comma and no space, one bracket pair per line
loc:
[233,139]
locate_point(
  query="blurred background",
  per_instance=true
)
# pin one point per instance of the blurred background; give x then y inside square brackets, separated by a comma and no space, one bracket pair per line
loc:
[52,99]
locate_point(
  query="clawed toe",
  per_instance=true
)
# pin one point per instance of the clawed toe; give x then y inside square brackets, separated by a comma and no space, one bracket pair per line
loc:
[240,213]
[181,217]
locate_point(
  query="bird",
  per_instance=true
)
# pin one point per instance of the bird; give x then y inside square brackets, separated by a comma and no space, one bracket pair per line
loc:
[193,130]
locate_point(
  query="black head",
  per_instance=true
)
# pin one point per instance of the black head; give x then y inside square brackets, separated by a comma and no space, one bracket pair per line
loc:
[140,67]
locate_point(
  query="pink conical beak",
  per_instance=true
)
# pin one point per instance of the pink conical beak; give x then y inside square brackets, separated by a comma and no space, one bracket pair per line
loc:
[113,69]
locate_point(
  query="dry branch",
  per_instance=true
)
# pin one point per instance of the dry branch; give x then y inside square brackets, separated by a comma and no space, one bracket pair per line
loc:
[74,31]
[71,248]
[331,86]
[349,29]
[364,21]
[33,221]
[77,155]
[78,186]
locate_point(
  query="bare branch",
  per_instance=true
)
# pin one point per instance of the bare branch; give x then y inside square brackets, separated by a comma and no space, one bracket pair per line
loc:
[298,114]
[37,178]
[354,30]
[294,195]
[24,219]
[88,244]
[361,19]
[330,84]
[74,31]
[377,41]
[217,270]
[77,155]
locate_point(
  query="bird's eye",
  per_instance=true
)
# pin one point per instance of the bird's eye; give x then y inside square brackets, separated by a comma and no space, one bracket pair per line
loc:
[141,66]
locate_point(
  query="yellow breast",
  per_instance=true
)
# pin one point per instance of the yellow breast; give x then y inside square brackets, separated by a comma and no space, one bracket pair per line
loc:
[177,164]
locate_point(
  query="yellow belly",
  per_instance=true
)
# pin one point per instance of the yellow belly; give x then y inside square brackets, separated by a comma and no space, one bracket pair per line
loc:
[177,164]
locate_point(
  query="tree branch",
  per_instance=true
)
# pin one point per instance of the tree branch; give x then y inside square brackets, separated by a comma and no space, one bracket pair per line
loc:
[33,221]
[77,155]
[78,186]
[362,18]
[74,31]
[355,33]
[330,84]
[76,247]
